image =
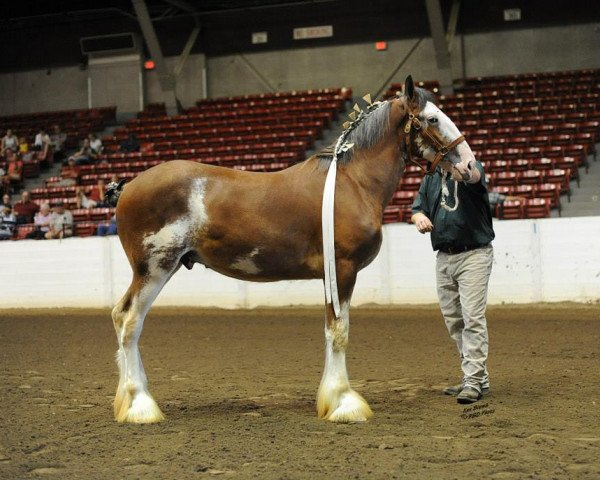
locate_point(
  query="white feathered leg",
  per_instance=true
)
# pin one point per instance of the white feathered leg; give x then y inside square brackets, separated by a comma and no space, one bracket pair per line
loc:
[336,401]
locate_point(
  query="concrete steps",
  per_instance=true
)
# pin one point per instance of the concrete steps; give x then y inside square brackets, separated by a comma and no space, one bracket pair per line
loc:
[585,199]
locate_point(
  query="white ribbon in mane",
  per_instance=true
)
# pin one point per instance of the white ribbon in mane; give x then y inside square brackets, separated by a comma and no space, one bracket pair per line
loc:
[331,288]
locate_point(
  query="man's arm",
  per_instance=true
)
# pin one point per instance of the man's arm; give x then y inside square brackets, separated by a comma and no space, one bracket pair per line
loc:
[422,222]
[420,212]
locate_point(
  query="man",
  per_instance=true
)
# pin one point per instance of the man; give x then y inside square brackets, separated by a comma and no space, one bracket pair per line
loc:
[61,222]
[42,140]
[58,139]
[25,209]
[7,223]
[464,263]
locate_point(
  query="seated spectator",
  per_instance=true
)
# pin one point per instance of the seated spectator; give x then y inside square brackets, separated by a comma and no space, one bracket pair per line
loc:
[94,197]
[107,228]
[24,149]
[7,223]
[42,223]
[85,155]
[61,222]
[14,171]
[57,140]
[69,175]
[6,201]
[25,209]
[9,140]
[95,143]
[42,140]
[130,145]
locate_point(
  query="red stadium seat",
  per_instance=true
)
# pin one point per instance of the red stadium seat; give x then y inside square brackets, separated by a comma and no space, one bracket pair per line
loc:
[403,197]
[551,192]
[530,177]
[392,214]
[511,209]
[537,208]
[506,178]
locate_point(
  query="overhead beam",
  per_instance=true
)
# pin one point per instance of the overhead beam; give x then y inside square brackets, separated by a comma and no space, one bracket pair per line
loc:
[186,51]
[166,80]
[442,56]
[182,5]
[452,22]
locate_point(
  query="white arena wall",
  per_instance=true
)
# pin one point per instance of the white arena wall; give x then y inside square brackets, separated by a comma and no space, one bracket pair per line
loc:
[548,260]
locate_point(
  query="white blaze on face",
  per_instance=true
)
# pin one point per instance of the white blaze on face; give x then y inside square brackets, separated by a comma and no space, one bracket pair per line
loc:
[449,132]
[246,263]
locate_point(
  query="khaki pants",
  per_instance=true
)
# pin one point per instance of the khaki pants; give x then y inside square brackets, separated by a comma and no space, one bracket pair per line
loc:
[462,284]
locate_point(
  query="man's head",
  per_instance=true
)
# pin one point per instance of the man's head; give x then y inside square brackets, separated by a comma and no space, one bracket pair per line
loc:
[25,196]
[9,132]
[59,207]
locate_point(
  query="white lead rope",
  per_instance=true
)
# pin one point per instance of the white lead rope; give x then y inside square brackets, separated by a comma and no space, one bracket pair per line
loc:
[446,192]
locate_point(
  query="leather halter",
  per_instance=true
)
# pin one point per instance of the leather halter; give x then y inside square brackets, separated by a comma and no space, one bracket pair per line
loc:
[433,138]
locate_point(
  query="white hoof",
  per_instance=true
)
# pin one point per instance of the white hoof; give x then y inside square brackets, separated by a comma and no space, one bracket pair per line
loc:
[344,407]
[142,409]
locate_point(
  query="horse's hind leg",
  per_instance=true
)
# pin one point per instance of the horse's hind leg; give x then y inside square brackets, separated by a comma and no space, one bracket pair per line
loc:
[133,403]
[336,401]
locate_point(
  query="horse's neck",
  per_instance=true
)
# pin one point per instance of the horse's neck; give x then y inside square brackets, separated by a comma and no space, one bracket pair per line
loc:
[378,172]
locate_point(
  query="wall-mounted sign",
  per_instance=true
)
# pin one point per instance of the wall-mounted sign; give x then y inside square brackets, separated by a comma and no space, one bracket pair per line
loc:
[512,14]
[322,31]
[260,37]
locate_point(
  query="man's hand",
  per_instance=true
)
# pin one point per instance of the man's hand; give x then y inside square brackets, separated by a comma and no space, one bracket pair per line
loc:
[422,223]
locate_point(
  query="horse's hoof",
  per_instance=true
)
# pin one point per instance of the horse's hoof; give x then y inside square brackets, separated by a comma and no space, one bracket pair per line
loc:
[350,407]
[143,409]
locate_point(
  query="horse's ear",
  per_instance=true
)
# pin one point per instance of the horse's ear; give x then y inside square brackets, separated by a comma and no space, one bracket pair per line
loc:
[409,88]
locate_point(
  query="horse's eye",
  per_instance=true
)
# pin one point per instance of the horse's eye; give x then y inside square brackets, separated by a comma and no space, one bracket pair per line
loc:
[432,120]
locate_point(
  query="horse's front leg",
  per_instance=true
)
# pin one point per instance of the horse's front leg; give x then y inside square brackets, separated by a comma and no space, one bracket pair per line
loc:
[336,401]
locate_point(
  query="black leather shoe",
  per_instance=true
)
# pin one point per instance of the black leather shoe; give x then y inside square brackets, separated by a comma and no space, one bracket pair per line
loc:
[468,395]
[454,390]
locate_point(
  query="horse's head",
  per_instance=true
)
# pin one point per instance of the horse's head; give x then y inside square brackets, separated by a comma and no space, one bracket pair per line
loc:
[430,134]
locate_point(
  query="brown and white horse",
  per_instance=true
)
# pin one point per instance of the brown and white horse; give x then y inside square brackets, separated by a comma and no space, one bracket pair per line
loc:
[267,227]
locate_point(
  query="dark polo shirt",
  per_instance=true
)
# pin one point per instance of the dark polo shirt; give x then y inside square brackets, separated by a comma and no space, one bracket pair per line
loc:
[469,226]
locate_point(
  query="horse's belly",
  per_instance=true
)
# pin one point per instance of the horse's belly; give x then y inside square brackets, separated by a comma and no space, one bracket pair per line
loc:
[262,265]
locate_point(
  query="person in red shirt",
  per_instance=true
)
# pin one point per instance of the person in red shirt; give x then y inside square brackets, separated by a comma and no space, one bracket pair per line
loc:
[94,198]
[14,171]
[69,175]
[25,209]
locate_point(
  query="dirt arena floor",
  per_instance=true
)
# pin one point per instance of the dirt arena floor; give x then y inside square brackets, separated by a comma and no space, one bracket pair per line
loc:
[238,391]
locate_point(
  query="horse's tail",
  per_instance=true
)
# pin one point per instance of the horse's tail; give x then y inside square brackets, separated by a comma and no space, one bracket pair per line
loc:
[113,192]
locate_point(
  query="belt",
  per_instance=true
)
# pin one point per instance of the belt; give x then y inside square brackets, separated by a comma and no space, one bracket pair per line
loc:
[460,249]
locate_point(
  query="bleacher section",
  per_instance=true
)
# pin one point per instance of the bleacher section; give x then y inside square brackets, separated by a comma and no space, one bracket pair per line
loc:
[266,132]
[75,123]
[533,133]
